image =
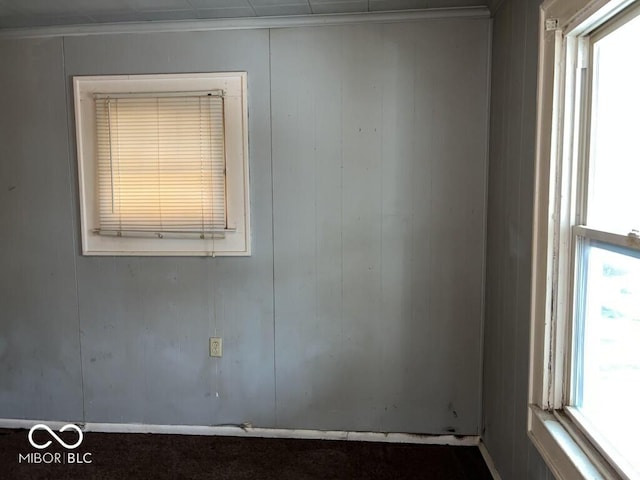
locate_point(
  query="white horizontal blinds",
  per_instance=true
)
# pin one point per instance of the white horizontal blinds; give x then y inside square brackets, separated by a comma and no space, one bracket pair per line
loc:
[161,164]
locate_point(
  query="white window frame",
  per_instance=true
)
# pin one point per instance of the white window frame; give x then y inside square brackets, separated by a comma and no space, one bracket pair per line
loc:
[569,450]
[236,240]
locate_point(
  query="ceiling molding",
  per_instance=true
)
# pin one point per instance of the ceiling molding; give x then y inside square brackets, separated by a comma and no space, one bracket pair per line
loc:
[246,23]
[494,5]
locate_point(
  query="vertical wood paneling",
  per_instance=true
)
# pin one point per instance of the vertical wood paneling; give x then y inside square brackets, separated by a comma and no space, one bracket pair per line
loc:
[377,216]
[40,372]
[307,111]
[512,145]
[361,222]
[408,202]
[401,151]
[146,321]
[456,221]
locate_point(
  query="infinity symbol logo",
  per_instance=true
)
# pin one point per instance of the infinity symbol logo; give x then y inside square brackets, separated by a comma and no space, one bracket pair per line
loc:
[69,426]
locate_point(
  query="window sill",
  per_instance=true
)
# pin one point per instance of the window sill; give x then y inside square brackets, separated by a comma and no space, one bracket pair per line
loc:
[562,447]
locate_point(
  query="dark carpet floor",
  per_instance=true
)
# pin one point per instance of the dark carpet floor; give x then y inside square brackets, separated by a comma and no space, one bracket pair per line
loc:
[140,456]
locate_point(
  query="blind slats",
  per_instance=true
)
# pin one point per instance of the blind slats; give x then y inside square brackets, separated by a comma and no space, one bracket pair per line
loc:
[161,165]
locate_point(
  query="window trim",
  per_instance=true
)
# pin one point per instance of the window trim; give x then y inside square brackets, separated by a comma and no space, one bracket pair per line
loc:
[557,434]
[237,240]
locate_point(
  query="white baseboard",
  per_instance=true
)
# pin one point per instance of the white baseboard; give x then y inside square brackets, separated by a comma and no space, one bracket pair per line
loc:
[238,431]
[489,461]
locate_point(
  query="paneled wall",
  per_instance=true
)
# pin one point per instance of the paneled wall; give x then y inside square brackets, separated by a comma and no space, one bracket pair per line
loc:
[361,306]
[40,370]
[510,217]
[379,224]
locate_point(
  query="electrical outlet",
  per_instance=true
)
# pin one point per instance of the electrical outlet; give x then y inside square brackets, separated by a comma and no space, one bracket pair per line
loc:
[215,346]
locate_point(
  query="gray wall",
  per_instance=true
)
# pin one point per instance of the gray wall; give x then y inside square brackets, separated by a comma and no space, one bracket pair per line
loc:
[361,307]
[510,217]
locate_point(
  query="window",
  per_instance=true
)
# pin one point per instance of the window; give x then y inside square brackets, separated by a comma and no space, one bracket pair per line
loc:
[163,164]
[606,339]
[586,293]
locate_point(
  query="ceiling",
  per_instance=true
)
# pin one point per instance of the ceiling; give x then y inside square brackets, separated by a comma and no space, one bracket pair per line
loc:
[34,13]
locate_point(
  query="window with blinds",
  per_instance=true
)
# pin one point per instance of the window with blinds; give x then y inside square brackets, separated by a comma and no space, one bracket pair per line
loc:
[161,164]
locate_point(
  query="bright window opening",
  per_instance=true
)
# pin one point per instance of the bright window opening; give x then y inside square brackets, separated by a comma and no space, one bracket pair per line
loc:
[607,364]
[163,164]
[585,368]
[614,203]
[606,326]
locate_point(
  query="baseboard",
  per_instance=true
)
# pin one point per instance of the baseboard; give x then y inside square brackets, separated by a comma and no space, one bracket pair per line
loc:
[248,431]
[489,461]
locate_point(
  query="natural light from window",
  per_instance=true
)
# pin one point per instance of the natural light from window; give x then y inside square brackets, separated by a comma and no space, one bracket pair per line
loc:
[611,349]
[615,156]
[161,164]
[606,377]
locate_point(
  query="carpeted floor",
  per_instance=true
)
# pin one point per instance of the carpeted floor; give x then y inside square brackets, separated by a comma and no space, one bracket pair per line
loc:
[139,456]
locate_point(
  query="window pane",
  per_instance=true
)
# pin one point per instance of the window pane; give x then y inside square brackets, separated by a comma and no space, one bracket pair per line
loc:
[161,164]
[614,204]
[607,386]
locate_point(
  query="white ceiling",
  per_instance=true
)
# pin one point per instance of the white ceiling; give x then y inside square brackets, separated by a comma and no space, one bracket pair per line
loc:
[32,13]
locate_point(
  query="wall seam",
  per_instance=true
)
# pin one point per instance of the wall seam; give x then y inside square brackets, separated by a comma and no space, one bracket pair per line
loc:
[522,150]
[273,240]
[73,223]
[483,312]
[517,219]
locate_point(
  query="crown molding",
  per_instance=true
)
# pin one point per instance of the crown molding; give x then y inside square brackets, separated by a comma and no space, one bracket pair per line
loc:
[249,23]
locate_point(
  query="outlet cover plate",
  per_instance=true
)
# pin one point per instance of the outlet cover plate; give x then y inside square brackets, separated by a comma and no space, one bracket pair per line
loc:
[215,347]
